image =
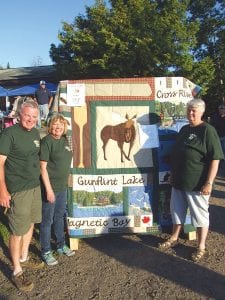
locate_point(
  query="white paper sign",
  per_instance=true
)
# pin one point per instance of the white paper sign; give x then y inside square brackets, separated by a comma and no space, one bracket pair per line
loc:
[75,94]
[149,137]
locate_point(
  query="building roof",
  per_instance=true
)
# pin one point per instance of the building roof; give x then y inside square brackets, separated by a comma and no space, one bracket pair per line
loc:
[16,77]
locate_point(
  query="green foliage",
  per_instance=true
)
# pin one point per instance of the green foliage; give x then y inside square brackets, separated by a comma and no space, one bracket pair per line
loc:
[203,74]
[4,233]
[126,39]
[210,49]
[136,38]
[85,198]
[170,109]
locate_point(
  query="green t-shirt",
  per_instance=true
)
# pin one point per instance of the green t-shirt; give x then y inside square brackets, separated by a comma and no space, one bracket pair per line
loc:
[192,153]
[22,166]
[58,156]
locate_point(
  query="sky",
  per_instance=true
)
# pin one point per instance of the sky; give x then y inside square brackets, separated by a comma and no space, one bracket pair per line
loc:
[29,27]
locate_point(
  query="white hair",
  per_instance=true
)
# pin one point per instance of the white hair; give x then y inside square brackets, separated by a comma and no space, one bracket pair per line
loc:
[196,102]
[29,103]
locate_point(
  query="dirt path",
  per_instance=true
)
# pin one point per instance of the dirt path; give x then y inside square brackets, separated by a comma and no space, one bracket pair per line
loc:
[131,267]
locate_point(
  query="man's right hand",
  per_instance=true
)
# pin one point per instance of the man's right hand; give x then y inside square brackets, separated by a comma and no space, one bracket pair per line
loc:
[5,198]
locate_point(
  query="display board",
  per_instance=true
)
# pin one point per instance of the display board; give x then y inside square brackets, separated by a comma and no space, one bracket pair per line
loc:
[113,131]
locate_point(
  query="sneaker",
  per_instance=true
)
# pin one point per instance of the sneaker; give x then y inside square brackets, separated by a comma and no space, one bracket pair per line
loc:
[22,283]
[66,250]
[49,259]
[32,264]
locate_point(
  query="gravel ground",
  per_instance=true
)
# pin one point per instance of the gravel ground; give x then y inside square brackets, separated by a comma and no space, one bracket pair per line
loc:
[131,266]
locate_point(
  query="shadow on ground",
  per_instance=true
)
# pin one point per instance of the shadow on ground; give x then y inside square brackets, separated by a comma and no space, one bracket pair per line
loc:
[175,268]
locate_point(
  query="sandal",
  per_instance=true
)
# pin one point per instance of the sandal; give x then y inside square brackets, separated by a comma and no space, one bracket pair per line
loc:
[198,255]
[168,244]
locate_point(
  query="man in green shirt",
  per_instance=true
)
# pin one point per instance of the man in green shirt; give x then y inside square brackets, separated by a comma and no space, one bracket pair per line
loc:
[20,187]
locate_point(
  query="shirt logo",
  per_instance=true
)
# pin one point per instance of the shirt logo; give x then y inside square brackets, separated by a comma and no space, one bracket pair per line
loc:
[67,148]
[192,136]
[37,143]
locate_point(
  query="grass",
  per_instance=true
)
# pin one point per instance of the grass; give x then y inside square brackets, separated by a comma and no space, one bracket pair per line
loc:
[4,232]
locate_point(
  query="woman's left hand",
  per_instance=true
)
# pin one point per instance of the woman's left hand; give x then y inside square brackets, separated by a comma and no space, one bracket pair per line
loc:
[206,189]
[50,196]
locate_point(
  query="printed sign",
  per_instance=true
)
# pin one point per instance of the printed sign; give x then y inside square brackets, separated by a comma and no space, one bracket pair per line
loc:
[75,94]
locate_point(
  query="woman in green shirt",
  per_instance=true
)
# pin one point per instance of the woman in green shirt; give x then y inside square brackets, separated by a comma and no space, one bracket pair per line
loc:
[55,160]
[194,165]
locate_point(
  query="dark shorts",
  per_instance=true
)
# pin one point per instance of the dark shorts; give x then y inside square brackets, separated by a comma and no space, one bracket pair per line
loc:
[25,209]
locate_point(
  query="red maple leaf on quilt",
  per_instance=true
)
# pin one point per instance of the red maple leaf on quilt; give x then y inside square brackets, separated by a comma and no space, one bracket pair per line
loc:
[146,219]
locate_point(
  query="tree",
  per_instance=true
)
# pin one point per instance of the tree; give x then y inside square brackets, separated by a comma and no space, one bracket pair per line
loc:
[8,66]
[37,61]
[127,38]
[210,46]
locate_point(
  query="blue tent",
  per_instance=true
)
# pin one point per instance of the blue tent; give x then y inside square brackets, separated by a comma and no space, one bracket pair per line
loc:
[3,92]
[30,89]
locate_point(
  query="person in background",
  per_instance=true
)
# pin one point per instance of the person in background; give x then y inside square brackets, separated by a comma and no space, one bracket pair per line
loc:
[194,164]
[218,121]
[19,100]
[20,190]
[16,107]
[44,99]
[55,160]
[13,116]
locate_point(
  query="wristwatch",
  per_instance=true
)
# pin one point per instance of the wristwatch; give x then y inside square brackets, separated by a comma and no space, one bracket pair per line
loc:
[209,182]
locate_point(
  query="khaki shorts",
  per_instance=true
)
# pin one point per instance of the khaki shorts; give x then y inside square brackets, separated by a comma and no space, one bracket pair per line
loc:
[25,209]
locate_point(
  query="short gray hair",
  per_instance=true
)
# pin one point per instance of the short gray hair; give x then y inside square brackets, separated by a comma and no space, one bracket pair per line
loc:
[29,103]
[196,102]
